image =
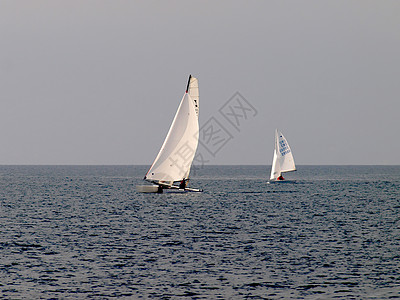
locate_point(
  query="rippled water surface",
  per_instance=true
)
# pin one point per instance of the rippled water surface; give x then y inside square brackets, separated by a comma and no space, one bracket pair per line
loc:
[73,232]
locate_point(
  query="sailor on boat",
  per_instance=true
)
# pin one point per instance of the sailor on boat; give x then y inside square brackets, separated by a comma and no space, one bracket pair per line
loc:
[183,183]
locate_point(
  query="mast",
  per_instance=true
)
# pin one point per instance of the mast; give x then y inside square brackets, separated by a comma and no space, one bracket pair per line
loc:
[185,180]
[187,87]
[277,150]
[275,163]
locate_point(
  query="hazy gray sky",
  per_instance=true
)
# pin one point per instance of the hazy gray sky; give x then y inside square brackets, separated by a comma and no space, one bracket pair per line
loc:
[98,82]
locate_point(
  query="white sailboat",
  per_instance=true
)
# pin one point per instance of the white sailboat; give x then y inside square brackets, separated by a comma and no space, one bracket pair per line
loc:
[283,158]
[171,168]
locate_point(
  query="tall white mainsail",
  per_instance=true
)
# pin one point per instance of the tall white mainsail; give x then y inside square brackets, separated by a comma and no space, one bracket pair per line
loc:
[283,158]
[176,155]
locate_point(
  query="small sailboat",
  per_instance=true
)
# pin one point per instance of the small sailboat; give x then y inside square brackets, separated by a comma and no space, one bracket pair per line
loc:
[170,170]
[283,158]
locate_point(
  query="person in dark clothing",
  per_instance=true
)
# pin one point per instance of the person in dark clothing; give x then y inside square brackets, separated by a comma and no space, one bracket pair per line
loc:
[183,183]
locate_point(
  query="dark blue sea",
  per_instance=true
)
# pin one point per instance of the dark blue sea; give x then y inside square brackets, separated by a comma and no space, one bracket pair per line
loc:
[77,232]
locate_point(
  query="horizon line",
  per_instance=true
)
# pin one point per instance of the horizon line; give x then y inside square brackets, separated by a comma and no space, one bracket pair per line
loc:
[105,165]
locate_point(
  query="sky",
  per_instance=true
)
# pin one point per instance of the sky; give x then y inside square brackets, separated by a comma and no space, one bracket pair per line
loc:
[98,82]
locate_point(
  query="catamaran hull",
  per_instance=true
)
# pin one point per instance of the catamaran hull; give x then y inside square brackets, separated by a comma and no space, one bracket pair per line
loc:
[170,189]
[147,188]
[175,189]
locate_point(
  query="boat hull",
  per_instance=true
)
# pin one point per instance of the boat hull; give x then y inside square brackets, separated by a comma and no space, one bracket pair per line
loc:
[147,188]
[175,189]
[170,189]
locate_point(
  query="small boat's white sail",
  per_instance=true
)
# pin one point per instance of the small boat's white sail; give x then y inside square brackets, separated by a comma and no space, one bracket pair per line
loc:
[283,158]
[176,155]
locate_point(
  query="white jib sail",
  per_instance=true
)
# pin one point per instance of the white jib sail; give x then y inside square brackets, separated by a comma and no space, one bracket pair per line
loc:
[175,158]
[283,158]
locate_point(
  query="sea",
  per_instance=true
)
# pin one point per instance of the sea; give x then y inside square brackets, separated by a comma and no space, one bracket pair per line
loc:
[83,232]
